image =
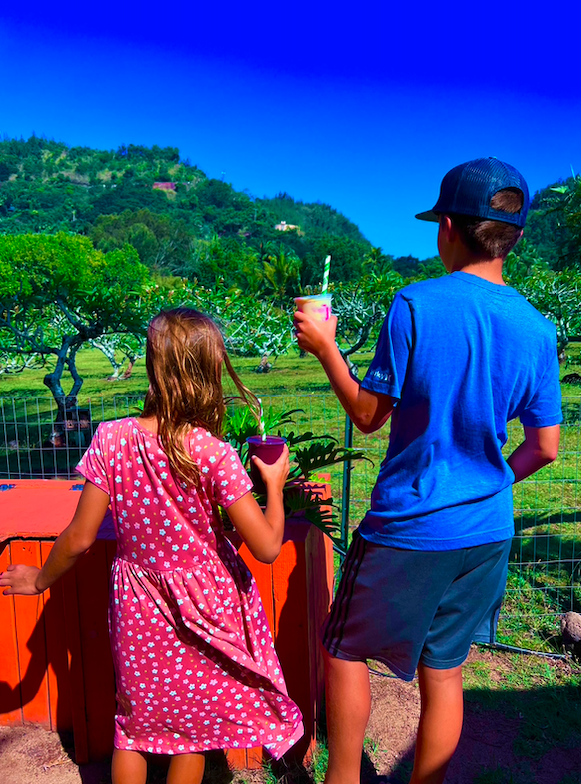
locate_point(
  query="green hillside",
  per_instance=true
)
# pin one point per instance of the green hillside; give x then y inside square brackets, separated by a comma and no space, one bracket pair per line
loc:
[179,220]
[182,222]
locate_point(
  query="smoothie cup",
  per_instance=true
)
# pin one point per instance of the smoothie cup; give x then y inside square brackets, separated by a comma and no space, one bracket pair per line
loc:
[268,451]
[316,306]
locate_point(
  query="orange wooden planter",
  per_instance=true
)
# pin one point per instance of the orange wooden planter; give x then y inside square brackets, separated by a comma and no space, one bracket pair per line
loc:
[55,661]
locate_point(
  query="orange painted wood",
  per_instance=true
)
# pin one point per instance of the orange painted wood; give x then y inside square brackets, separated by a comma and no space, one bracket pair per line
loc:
[319,582]
[59,687]
[76,673]
[291,625]
[30,635]
[10,694]
[70,680]
[37,508]
[262,573]
[237,758]
[93,593]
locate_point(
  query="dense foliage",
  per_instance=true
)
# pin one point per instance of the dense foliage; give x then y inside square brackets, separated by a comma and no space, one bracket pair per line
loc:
[93,243]
[179,220]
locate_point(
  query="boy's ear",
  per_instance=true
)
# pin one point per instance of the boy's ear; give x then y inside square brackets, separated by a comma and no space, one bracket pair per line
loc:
[447,227]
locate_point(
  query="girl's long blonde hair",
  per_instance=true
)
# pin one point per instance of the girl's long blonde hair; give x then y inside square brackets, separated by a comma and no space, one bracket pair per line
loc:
[184,356]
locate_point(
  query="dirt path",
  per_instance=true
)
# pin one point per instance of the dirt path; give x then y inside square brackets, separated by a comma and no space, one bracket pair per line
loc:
[508,738]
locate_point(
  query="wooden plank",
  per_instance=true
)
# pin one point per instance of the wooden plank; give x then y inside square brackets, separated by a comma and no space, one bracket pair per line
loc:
[75,660]
[256,758]
[59,687]
[237,758]
[319,577]
[31,639]
[10,694]
[291,626]
[37,509]
[262,574]
[93,592]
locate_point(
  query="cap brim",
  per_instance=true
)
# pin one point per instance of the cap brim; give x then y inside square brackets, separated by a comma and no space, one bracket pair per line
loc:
[430,215]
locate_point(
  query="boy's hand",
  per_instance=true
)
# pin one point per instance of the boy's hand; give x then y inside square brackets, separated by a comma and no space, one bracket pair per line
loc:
[274,475]
[315,336]
[20,579]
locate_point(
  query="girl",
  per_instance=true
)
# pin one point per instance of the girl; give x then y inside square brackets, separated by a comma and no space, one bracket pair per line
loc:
[194,660]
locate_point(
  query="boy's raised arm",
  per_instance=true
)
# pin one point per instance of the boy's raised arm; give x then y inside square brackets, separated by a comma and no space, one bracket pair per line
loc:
[368,410]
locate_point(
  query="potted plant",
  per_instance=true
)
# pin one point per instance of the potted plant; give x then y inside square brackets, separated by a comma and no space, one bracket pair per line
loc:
[310,455]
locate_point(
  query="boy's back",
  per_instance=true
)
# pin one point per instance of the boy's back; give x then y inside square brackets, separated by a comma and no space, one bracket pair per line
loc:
[458,357]
[463,356]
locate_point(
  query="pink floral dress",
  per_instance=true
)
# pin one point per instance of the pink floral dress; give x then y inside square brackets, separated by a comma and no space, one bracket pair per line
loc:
[194,659]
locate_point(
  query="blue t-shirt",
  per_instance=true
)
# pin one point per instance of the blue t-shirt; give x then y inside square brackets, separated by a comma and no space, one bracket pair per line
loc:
[462,356]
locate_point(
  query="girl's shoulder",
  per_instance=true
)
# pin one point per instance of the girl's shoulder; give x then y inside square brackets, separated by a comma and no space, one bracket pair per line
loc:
[208,448]
[114,431]
[202,441]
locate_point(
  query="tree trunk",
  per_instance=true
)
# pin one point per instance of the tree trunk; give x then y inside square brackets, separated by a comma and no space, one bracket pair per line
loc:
[65,402]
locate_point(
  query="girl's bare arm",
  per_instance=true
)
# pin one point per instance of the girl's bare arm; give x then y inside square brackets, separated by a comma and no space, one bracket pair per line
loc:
[73,542]
[263,531]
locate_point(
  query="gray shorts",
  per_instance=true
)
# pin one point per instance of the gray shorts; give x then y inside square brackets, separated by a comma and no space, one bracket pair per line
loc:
[402,607]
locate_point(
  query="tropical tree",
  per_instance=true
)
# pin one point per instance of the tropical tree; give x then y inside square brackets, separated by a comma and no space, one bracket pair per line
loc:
[57,292]
[361,307]
[280,272]
[557,295]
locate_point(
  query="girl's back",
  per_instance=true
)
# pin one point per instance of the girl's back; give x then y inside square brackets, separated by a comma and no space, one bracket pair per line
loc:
[194,659]
[193,654]
[160,523]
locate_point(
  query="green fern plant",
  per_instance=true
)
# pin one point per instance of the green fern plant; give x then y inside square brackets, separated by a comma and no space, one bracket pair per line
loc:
[303,502]
[310,454]
[323,454]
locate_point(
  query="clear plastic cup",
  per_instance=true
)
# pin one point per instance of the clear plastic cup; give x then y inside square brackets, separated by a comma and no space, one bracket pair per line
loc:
[268,451]
[317,306]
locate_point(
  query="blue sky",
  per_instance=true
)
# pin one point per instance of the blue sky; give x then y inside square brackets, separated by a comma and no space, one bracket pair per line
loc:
[362,106]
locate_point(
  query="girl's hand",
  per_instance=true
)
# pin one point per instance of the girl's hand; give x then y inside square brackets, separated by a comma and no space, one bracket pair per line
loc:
[20,579]
[274,475]
[315,336]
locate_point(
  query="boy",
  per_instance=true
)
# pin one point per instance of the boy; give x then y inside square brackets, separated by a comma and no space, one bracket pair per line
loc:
[457,358]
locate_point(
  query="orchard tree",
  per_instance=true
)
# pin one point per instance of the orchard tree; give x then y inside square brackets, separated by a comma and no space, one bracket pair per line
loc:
[252,326]
[557,295]
[361,307]
[57,292]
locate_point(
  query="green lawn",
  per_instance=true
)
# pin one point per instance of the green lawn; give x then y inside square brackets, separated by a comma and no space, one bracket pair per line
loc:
[545,563]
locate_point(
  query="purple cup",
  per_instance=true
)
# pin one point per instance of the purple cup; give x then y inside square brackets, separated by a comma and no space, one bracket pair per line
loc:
[268,451]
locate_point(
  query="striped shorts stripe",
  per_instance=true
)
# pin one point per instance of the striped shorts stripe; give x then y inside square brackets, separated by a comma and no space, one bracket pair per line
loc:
[332,632]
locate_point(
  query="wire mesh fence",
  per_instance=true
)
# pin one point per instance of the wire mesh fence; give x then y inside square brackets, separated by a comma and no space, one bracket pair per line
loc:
[37,441]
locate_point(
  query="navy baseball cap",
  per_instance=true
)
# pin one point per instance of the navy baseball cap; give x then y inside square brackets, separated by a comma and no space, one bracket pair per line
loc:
[468,188]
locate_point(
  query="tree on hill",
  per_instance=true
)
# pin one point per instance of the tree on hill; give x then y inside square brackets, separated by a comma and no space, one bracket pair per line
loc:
[407,266]
[548,228]
[57,292]
[162,242]
[313,218]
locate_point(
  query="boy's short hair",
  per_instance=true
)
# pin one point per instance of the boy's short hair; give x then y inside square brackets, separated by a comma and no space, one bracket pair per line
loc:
[488,202]
[491,239]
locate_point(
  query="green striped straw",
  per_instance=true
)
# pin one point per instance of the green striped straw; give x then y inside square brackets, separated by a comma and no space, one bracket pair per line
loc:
[326,275]
[261,427]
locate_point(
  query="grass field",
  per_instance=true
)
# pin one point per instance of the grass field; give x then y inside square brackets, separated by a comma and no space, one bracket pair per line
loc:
[545,562]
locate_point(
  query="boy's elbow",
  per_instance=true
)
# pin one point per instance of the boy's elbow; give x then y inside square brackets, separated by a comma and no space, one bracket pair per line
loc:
[550,454]
[365,424]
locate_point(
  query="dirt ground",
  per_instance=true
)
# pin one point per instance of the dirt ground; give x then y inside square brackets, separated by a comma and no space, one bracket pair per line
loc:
[498,746]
